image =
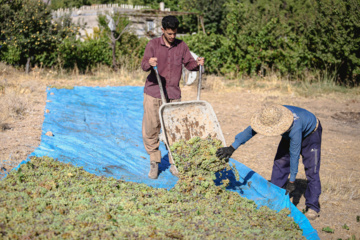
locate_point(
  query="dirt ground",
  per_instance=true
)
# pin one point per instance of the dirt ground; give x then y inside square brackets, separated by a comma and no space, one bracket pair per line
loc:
[339,116]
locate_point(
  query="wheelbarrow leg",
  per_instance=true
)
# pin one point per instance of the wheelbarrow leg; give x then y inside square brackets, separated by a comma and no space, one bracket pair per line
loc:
[173,168]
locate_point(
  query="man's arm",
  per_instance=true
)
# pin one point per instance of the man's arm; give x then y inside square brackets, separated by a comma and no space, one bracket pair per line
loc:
[243,137]
[295,148]
[240,139]
[189,62]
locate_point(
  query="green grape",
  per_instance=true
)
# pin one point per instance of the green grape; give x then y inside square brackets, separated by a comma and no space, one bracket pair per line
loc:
[47,199]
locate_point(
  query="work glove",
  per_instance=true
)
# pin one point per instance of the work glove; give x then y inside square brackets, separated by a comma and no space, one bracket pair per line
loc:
[225,152]
[290,187]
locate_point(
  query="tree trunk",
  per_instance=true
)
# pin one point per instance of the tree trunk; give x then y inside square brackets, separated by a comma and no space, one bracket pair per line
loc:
[27,67]
[114,57]
[113,45]
[202,24]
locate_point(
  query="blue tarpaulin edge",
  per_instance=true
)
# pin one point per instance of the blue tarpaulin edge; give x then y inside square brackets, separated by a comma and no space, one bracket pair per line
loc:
[99,129]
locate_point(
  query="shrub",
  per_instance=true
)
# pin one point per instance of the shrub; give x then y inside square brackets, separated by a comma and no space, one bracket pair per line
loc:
[84,55]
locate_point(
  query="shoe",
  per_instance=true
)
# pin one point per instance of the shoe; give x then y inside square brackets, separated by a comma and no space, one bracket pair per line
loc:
[154,170]
[311,214]
[174,170]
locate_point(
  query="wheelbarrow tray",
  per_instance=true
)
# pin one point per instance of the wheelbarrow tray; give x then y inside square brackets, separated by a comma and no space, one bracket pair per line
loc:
[188,119]
[185,120]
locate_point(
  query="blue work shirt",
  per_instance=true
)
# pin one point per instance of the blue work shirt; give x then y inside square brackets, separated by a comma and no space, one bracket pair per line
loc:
[304,123]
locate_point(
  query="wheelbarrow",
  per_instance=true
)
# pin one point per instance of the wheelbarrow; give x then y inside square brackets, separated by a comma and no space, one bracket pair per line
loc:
[188,119]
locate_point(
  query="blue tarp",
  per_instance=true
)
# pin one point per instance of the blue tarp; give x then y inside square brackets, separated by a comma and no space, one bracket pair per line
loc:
[100,130]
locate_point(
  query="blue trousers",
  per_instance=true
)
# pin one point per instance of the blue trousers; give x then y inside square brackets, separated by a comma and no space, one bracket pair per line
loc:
[310,152]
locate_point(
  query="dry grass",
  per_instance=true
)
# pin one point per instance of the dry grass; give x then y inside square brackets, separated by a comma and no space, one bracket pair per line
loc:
[101,76]
[14,103]
[335,187]
[343,188]
[277,86]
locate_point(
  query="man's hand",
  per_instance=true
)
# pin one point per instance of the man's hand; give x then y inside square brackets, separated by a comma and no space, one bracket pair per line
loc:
[153,62]
[290,187]
[200,61]
[225,152]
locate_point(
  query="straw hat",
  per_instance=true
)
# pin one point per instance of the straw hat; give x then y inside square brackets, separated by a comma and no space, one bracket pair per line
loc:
[272,120]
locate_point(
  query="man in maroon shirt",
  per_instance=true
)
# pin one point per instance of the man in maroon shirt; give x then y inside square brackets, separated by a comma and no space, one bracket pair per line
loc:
[168,54]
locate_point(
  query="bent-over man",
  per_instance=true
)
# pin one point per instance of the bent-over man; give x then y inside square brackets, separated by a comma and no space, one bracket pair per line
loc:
[301,135]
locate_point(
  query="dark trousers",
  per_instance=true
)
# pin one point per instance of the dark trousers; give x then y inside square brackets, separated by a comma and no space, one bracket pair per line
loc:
[310,152]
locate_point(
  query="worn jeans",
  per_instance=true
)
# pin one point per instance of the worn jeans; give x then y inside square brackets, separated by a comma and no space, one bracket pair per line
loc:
[310,152]
[151,126]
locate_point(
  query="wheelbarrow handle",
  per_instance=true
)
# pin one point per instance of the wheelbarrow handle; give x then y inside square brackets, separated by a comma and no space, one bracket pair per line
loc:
[199,83]
[163,99]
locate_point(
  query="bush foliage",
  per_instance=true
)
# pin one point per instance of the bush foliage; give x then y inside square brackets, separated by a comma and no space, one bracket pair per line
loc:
[287,37]
[28,32]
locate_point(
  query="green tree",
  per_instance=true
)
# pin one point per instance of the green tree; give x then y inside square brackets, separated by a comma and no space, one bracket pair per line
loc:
[29,32]
[213,13]
[114,26]
[267,35]
[334,39]
[213,47]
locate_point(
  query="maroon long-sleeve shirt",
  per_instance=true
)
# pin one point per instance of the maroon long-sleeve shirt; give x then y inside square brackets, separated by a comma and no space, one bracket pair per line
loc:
[169,60]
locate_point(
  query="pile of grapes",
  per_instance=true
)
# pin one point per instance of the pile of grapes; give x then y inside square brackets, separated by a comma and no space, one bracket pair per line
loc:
[47,199]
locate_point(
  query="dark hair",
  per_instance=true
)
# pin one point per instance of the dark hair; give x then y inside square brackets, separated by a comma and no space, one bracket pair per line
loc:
[170,22]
